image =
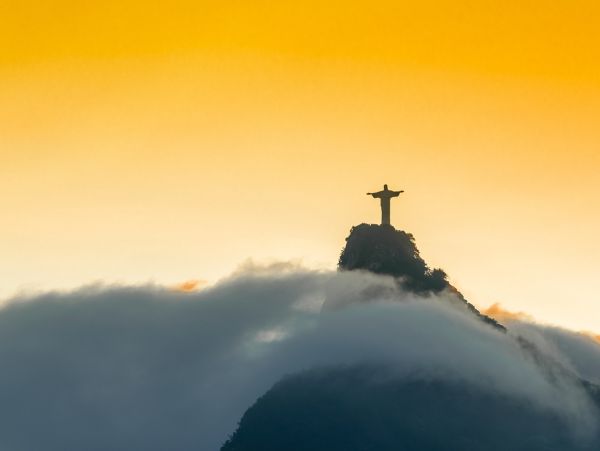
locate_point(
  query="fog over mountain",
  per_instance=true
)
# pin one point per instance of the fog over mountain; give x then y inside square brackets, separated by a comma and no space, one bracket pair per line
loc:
[454,383]
[328,355]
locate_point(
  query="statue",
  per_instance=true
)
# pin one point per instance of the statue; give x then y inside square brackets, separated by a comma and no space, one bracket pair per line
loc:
[385,197]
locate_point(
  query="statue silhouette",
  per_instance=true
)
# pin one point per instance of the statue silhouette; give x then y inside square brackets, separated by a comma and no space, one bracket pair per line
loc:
[384,197]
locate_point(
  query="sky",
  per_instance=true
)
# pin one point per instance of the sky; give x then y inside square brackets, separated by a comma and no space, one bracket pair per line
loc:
[172,141]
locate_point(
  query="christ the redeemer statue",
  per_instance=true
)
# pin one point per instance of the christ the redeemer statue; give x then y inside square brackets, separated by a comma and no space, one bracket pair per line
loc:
[385,196]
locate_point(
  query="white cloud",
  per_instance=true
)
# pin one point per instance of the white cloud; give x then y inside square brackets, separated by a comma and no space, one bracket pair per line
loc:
[152,369]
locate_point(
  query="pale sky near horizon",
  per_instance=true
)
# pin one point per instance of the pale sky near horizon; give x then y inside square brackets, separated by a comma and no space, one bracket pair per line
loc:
[173,141]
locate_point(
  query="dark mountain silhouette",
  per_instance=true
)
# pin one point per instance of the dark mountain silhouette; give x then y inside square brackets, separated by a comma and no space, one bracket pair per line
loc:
[354,409]
[382,249]
[359,409]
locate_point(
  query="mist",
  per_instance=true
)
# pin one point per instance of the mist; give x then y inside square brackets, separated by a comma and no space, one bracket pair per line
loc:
[150,368]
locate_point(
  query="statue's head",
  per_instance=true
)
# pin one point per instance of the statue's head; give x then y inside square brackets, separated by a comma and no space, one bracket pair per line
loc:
[384,186]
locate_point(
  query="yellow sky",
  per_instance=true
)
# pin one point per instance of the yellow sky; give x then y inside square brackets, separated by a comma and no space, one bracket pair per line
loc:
[172,140]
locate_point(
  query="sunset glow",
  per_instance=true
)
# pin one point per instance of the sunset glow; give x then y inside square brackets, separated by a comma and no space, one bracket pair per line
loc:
[172,141]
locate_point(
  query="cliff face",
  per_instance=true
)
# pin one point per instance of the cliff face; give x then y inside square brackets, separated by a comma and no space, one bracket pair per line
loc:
[382,249]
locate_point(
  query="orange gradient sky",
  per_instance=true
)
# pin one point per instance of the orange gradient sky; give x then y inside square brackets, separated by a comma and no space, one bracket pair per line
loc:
[170,141]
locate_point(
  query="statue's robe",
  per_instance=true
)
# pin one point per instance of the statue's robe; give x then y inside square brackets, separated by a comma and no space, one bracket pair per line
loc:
[384,198]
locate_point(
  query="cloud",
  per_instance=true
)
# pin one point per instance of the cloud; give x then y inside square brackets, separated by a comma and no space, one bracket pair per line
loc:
[147,368]
[578,350]
[190,285]
[499,313]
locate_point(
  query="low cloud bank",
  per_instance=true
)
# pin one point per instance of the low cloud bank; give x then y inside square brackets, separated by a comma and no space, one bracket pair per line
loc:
[146,368]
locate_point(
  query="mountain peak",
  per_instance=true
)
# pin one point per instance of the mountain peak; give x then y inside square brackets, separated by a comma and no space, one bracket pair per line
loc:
[381,249]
